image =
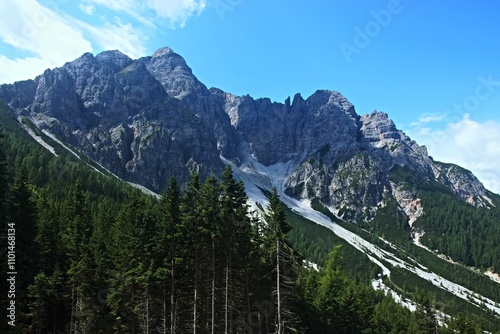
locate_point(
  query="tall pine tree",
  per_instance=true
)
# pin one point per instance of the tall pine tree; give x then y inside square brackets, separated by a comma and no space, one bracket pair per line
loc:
[167,253]
[283,259]
[4,178]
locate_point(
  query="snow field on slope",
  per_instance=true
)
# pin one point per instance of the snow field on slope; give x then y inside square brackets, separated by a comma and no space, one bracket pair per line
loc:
[255,175]
[37,138]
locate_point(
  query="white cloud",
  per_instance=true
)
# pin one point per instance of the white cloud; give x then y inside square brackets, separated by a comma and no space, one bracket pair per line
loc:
[51,39]
[43,33]
[118,36]
[130,7]
[468,143]
[428,119]
[177,11]
[116,5]
[87,9]
[22,69]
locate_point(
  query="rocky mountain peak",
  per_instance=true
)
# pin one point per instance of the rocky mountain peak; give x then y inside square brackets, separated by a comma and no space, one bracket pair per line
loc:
[114,58]
[86,57]
[297,99]
[176,77]
[378,130]
[162,52]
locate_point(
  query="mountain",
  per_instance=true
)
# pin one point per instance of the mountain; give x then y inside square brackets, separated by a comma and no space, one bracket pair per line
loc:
[148,119]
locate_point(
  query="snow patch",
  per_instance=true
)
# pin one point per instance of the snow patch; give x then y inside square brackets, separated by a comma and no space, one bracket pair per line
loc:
[54,138]
[143,189]
[378,284]
[417,235]
[312,265]
[38,139]
[255,175]
[486,198]
[494,276]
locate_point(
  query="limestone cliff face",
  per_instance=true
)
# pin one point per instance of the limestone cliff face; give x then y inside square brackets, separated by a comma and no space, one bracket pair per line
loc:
[279,132]
[118,111]
[354,179]
[151,118]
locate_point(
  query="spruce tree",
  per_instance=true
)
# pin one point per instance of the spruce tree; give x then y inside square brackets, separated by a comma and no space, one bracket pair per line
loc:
[22,216]
[130,294]
[283,263]
[167,252]
[76,237]
[47,304]
[212,230]
[193,247]
[4,178]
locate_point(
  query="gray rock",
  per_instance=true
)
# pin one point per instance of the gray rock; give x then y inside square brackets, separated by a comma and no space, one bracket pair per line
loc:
[148,119]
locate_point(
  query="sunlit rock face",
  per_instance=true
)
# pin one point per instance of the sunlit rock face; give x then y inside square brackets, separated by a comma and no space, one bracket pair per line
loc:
[149,119]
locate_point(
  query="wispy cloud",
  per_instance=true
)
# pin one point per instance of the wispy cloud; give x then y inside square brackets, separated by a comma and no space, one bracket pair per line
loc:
[87,9]
[424,119]
[116,36]
[135,9]
[50,36]
[177,11]
[468,143]
[116,5]
[43,33]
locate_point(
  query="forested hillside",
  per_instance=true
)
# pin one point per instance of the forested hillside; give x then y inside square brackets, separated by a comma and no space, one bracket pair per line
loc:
[94,255]
[459,230]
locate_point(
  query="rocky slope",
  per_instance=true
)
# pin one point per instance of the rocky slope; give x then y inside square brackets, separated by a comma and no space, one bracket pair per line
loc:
[150,118]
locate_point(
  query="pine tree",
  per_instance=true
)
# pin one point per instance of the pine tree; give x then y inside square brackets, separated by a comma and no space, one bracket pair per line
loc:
[4,178]
[424,320]
[47,303]
[22,216]
[211,228]
[100,264]
[132,236]
[76,237]
[332,283]
[240,254]
[192,231]
[228,212]
[389,317]
[48,234]
[166,252]
[464,324]
[284,259]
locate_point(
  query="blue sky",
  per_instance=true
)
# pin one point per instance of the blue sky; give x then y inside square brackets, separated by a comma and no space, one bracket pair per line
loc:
[432,66]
